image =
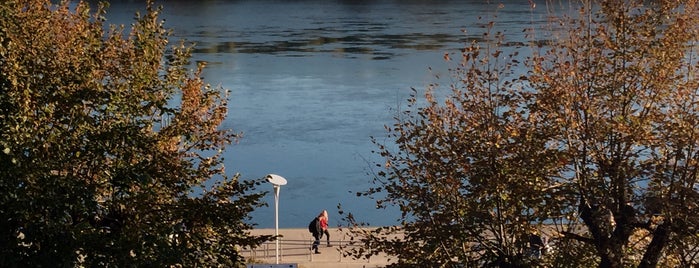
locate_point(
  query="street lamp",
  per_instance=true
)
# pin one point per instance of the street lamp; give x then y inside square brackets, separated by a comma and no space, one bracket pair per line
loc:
[277,181]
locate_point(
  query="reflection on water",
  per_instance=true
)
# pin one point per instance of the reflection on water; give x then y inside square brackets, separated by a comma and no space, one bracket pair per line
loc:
[383,29]
[380,46]
[313,80]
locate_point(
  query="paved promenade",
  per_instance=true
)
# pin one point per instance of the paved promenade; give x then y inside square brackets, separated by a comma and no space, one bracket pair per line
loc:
[295,249]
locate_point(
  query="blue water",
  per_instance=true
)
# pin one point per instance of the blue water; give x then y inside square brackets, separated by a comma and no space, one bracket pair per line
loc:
[312,81]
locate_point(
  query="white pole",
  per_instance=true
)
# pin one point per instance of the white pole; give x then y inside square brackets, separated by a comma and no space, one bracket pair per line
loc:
[277,181]
[276,218]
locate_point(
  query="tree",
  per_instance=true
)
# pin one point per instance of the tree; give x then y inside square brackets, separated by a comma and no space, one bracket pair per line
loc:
[110,146]
[470,171]
[620,90]
[594,141]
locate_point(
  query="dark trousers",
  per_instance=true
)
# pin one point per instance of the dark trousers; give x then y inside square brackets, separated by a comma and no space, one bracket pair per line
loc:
[327,235]
[316,243]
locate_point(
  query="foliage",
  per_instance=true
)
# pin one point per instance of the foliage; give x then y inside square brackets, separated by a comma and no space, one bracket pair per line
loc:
[99,165]
[620,90]
[471,174]
[594,143]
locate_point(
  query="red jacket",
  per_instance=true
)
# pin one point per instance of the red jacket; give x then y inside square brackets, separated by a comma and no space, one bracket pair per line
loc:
[323,223]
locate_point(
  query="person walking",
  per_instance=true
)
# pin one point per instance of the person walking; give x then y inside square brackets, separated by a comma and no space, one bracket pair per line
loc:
[536,244]
[316,231]
[324,226]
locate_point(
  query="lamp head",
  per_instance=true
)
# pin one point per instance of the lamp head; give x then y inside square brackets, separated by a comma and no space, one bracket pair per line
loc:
[276,180]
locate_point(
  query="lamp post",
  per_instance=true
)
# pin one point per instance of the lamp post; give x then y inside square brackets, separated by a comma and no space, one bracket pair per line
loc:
[277,181]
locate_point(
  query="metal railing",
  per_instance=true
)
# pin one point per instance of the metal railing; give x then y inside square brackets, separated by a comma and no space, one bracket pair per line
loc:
[296,247]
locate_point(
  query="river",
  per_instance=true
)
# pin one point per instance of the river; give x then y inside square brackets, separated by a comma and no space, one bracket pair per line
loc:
[312,80]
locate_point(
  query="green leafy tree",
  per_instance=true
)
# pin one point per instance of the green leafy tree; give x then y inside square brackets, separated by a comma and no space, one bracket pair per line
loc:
[593,143]
[111,146]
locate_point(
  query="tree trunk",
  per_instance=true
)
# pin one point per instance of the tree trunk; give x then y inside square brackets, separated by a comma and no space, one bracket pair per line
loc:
[611,256]
[609,252]
[656,246]
[608,263]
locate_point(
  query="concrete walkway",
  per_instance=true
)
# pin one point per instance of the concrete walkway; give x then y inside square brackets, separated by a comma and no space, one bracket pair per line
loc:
[295,249]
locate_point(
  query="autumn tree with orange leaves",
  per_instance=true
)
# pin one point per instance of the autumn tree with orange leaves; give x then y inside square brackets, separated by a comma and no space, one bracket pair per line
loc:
[109,146]
[590,141]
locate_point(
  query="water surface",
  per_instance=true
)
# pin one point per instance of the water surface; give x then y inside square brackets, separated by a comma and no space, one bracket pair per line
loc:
[312,81]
